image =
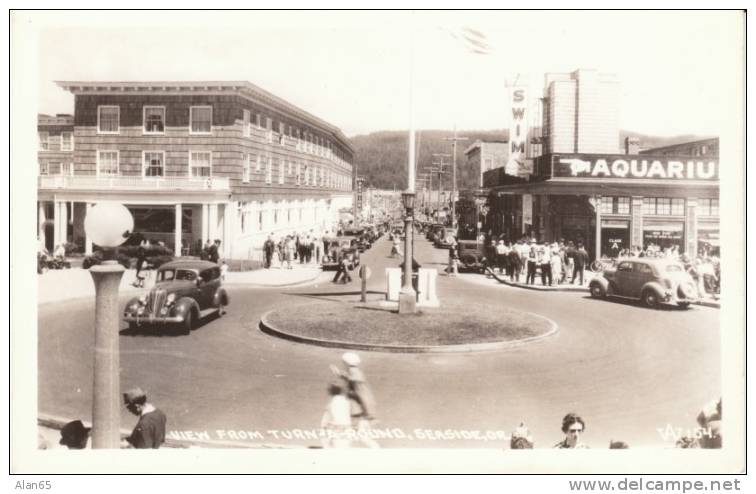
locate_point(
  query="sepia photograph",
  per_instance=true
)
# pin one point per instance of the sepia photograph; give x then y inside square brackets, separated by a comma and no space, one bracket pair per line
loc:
[377,241]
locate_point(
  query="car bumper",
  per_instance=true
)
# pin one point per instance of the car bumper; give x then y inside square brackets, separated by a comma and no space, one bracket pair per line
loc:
[152,319]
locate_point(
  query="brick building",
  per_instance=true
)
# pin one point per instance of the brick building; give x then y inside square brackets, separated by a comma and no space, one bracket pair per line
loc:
[192,161]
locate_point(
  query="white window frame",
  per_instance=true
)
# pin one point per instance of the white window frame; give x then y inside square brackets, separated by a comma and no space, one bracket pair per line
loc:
[118,119]
[281,171]
[118,163]
[144,120]
[210,163]
[44,144]
[144,164]
[247,119]
[191,120]
[247,172]
[71,142]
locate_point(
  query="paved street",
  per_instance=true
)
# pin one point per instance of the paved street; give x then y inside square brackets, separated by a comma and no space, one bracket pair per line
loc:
[626,369]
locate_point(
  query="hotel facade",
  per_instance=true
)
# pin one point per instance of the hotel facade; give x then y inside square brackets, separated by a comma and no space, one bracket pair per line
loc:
[586,189]
[192,161]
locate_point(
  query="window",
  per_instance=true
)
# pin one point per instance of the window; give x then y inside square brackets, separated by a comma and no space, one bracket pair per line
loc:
[258,164]
[67,169]
[268,170]
[200,163]
[53,168]
[246,124]
[268,123]
[615,205]
[154,119]
[107,163]
[108,118]
[708,207]
[44,141]
[44,169]
[200,119]
[153,163]
[649,206]
[623,205]
[247,168]
[299,174]
[258,120]
[66,141]
[663,206]
[281,128]
[678,206]
[290,167]
[644,269]
[625,267]
[281,171]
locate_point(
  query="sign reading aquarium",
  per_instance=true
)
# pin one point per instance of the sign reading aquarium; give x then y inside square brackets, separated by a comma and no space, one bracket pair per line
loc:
[633,167]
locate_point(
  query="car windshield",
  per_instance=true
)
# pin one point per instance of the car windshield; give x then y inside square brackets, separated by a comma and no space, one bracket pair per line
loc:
[177,274]
[674,268]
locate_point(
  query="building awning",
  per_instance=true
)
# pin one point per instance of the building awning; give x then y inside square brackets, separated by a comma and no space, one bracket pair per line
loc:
[603,187]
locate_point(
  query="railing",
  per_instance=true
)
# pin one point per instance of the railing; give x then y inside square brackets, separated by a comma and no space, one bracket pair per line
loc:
[134,183]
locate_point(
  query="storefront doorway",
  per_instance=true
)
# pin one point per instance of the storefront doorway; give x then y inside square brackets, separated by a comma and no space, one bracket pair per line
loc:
[615,236]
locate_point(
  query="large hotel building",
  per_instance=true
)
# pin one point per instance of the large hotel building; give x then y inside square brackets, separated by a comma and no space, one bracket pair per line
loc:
[583,187]
[192,161]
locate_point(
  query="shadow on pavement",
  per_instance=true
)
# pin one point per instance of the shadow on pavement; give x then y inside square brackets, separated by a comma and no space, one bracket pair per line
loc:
[166,330]
[636,303]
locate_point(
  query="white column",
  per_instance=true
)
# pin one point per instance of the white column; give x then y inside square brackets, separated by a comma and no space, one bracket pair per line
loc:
[63,223]
[598,227]
[213,230]
[229,214]
[56,224]
[177,232]
[41,223]
[205,223]
[87,240]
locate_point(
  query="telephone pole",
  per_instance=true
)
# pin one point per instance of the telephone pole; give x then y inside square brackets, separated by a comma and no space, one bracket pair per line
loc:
[441,165]
[454,173]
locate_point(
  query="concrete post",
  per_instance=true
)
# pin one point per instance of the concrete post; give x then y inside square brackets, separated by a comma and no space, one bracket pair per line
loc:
[407,296]
[106,402]
[87,239]
[177,232]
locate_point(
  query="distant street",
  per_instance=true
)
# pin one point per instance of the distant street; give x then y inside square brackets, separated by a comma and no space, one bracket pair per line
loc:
[626,369]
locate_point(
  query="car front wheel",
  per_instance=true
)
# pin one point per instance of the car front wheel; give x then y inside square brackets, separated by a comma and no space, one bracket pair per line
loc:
[188,324]
[683,305]
[597,291]
[651,299]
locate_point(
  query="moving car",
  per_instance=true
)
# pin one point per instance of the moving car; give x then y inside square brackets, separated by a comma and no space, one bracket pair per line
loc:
[652,281]
[434,230]
[184,293]
[471,255]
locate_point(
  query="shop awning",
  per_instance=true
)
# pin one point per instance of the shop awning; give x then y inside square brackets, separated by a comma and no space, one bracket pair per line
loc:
[605,187]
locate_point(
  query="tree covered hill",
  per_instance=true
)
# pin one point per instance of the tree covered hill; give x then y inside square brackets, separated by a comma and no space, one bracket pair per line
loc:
[381,157]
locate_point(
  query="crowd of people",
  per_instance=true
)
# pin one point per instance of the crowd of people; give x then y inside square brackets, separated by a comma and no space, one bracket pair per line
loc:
[302,247]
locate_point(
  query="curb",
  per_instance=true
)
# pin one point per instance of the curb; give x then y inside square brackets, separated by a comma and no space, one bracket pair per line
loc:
[57,423]
[269,329]
[283,285]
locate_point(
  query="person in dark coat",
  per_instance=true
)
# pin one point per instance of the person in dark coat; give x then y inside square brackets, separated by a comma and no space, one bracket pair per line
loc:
[269,247]
[213,255]
[141,256]
[149,432]
[580,258]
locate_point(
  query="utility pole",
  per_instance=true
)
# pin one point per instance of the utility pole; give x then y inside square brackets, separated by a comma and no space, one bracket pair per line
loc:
[441,165]
[454,173]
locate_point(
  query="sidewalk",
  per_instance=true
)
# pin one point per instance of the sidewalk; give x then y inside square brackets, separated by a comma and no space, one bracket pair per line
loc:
[67,284]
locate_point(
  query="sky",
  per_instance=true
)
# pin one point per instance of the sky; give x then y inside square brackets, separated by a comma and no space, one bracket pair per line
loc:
[371,71]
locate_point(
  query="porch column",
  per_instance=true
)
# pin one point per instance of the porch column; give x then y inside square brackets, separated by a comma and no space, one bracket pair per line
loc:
[229,215]
[598,227]
[205,223]
[177,232]
[691,226]
[87,240]
[41,218]
[213,226]
[56,223]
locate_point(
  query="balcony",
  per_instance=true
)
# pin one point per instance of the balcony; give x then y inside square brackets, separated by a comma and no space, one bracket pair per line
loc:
[134,183]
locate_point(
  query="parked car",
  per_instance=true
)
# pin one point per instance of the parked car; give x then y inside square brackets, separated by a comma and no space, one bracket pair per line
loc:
[652,281]
[184,293]
[472,255]
[445,238]
[433,230]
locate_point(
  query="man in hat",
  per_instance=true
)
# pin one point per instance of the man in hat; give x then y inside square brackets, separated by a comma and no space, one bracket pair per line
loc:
[74,435]
[149,432]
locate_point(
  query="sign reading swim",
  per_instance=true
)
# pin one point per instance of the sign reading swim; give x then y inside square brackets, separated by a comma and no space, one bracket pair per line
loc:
[608,166]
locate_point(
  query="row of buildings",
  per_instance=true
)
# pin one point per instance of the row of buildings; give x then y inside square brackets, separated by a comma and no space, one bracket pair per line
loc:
[192,161]
[578,185]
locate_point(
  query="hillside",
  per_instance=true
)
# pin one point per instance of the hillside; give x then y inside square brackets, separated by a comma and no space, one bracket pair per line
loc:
[381,157]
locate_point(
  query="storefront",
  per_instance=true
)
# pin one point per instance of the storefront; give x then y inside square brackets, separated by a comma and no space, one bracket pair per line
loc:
[612,202]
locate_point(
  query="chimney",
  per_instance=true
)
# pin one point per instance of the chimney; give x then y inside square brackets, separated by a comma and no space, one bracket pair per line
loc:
[632,145]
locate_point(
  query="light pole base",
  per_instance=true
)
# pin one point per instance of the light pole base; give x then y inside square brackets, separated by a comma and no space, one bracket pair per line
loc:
[407,301]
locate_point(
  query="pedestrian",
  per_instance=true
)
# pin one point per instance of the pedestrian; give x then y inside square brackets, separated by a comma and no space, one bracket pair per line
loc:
[360,396]
[556,263]
[532,261]
[141,257]
[213,253]
[223,270]
[337,419]
[343,267]
[268,248]
[573,427]
[521,438]
[501,255]
[318,248]
[149,432]
[289,251]
[544,254]
[580,260]
[205,253]
[74,435]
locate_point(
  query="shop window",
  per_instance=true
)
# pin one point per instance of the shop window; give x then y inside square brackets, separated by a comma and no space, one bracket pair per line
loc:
[607,204]
[108,119]
[154,119]
[153,163]
[200,119]
[107,163]
[708,207]
[200,163]
[663,206]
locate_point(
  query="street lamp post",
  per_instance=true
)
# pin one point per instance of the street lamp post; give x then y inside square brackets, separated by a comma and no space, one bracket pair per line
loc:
[108,225]
[407,295]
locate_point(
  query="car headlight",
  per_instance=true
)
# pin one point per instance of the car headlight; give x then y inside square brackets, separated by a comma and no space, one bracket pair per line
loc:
[171,298]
